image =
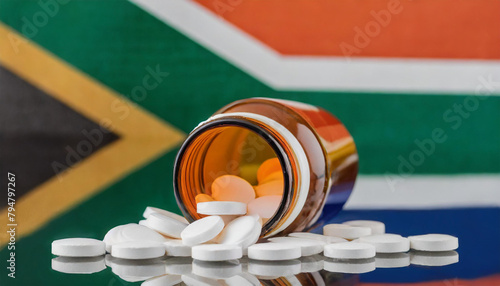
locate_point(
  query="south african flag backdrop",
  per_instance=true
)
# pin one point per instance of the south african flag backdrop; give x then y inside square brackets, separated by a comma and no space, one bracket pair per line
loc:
[97,96]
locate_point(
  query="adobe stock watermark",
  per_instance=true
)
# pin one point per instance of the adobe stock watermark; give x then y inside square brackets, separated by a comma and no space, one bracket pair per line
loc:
[454,118]
[363,35]
[223,6]
[32,25]
[95,137]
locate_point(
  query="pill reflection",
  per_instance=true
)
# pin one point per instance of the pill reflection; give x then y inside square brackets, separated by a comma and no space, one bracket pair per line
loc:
[392,260]
[353,266]
[216,270]
[311,263]
[268,269]
[178,265]
[136,270]
[427,258]
[78,265]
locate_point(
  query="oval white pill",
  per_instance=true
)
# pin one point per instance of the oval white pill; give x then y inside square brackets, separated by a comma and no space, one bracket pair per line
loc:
[151,210]
[176,248]
[138,250]
[216,252]
[113,236]
[78,247]
[136,232]
[165,225]
[243,231]
[429,258]
[221,208]
[387,243]
[264,207]
[392,260]
[433,242]
[351,267]
[307,246]
[320,237]
[346,231]
[349,250]
[78,265]
[273,251]
[202,230]
[377,227]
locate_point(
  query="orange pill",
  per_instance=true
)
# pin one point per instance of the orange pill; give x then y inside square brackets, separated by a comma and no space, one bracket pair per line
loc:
[272,188]
[201,198]
[278,175]
[232,188]
[269,166]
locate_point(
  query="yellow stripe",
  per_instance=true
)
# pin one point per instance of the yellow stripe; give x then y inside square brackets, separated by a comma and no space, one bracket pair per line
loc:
[143,136]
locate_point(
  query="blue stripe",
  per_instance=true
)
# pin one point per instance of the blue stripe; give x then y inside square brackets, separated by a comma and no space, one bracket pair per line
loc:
[478,230]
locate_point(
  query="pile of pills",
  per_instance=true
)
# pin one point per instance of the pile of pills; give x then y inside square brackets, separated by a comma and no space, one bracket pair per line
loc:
[218,245]
[212,248]
[263,199]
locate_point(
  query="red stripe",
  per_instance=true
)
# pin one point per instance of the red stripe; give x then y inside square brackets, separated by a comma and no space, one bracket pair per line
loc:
[461,29]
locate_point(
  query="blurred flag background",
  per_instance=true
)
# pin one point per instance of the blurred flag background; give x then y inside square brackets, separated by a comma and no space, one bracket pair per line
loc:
[96,96]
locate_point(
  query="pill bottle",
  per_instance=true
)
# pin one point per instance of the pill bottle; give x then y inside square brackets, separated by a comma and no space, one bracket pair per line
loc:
[318,159]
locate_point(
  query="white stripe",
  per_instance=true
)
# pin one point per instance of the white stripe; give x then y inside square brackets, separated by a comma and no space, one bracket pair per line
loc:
[319,73]
[423,192]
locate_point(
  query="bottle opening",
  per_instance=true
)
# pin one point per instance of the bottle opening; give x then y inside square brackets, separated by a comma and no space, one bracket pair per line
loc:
[227,159]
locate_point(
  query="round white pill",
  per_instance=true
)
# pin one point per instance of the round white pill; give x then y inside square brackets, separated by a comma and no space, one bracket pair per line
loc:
[221,208]
[433,242]
[387,243]
[315,236]
[216,252]
[138,250]
[113,236]
[428,258]
[307,246]
[243,231]
[271,268]
[202,230]
[392,260]
[163,280]
[346,231]
[350,250]
[78,265]
[135,232]
[216,269]
[273,251]
[78,247]
[264,207]
[377,227]
[165,225]
[150,210]
[351,267]
[176,248]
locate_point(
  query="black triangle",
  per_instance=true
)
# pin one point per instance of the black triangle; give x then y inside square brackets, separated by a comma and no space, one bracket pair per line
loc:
[36,132]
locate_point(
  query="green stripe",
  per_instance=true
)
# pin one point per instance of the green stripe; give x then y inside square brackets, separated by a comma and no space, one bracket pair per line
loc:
[114,41]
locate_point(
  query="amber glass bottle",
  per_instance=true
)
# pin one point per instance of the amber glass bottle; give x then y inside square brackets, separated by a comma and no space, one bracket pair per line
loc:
[317,155]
